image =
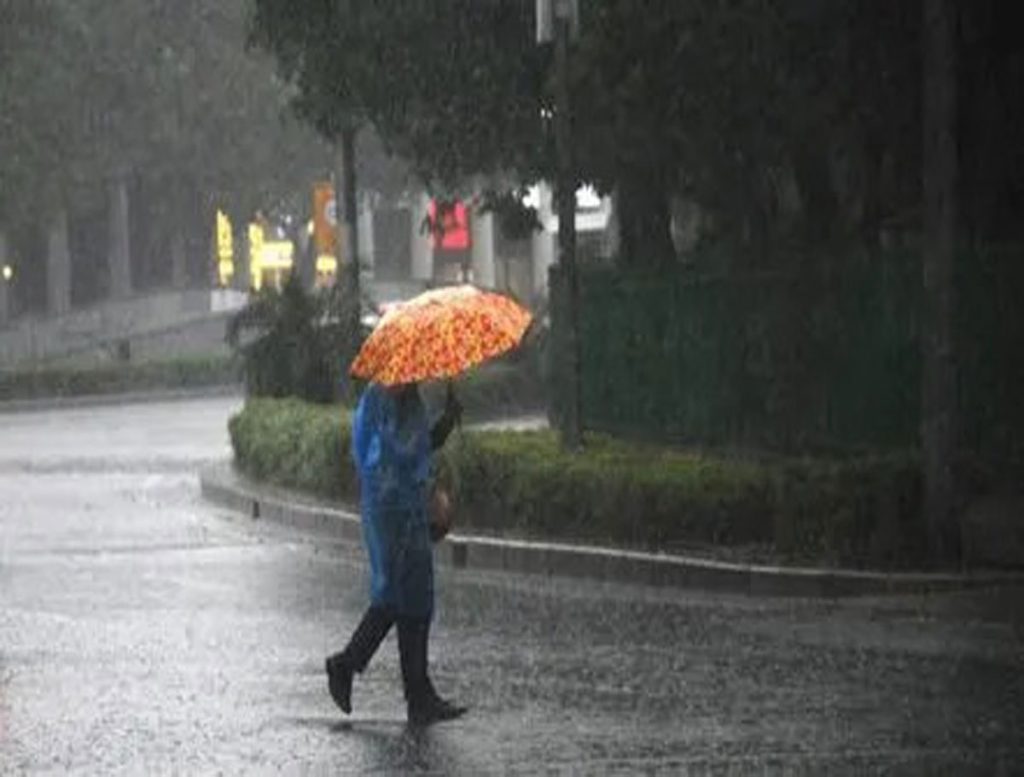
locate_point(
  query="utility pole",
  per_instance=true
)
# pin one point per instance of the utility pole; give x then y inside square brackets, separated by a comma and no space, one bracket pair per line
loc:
[938,385]
[563,17]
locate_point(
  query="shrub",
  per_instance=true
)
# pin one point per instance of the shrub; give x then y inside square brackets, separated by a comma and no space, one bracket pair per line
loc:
[293,443]
[865,508]
[192,372]
[292,343]
[613,492]
[856,511]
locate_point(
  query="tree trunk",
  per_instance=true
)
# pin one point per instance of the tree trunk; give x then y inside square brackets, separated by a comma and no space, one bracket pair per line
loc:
[58,266]
[120,240]
[183,193]
[348,250]
[938,390]
[241,279]
[179,259]
[348,153]
[305,255]
[572,423]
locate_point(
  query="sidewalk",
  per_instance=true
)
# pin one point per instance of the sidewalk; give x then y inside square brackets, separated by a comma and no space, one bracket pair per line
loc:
[224,486]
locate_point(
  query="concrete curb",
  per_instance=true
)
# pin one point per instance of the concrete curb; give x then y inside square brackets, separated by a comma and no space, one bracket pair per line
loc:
[223,486]
[125,398]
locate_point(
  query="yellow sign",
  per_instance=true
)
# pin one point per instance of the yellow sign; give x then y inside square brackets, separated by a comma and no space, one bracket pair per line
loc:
[277,255]
[256,255]
[225,244]
[325,218]
[269,260]
[225,249]
[326,264]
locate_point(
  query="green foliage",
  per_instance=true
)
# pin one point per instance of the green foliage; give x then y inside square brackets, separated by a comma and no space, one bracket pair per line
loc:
[824,360]
[453,86]
[119,378]
[524,483]
[293,343]
[781,119]
[292,443]
[516,220]
[853,511]
[845,510]
[733,105]
[165,92]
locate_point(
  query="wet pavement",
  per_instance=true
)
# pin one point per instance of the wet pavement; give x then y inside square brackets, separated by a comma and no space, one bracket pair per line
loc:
[144,632]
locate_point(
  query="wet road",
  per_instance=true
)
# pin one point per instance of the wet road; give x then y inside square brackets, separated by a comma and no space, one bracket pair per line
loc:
[145,632]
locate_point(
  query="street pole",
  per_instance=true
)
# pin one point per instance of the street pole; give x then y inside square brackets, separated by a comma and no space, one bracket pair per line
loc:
[348,240]
[572,426]
[348,155]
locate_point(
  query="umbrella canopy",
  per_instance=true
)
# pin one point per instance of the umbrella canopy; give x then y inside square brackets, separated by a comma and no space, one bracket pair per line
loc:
[440,334]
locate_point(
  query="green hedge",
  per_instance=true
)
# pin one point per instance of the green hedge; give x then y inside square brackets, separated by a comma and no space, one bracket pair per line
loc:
[297,444]
[823,357]
[118,378]
[856,511]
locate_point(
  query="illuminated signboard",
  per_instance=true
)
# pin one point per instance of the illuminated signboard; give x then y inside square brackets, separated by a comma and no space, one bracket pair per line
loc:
[452,233]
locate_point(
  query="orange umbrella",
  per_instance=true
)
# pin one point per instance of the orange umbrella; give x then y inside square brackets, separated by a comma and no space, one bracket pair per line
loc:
[439,335]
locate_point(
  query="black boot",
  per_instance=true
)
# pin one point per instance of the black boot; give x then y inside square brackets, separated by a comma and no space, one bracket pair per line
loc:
[423,704]
[368,635]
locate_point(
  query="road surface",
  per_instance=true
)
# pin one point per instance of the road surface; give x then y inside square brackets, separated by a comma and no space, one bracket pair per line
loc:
[143,631]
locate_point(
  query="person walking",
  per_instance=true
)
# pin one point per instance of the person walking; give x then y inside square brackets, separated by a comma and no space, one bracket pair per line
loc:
[392,444]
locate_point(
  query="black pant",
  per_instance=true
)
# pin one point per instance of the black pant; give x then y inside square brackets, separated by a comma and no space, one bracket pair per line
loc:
[413,639]
[371,631]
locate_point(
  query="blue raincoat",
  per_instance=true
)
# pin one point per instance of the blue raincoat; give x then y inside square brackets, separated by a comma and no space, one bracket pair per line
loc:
[392,452]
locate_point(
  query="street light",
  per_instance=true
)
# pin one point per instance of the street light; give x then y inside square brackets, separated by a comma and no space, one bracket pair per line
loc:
[8,272]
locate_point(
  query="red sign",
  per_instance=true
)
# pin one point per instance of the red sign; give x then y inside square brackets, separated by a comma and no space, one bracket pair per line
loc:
[451,232]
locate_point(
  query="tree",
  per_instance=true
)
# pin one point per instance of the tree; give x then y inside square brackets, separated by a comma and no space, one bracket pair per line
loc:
[40,104]
[784,121]
[290,343]
[407,70]
[709,100]
[453,87]
[160,93]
